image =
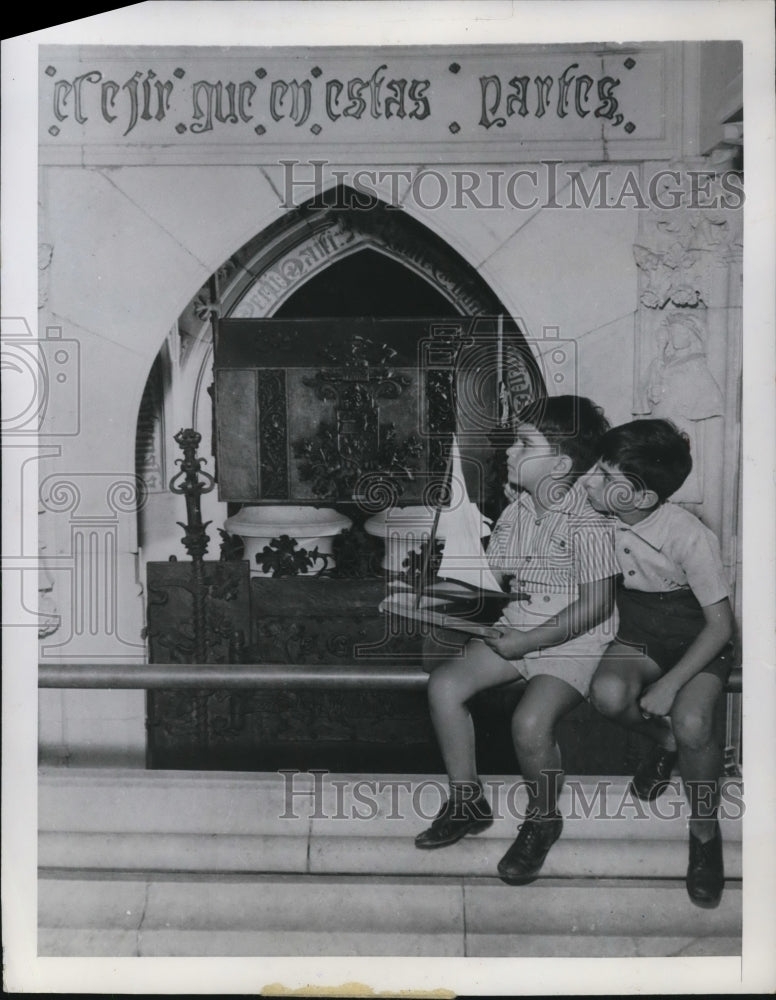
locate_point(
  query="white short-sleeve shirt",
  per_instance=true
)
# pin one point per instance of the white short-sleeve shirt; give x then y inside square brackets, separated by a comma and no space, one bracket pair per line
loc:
[669,550]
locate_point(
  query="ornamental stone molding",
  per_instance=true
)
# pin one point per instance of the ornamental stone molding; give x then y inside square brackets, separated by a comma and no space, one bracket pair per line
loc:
[680,249]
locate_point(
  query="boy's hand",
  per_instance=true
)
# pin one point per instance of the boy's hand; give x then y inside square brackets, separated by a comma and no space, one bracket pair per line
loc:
[512,644]
[658,698]
[511,492]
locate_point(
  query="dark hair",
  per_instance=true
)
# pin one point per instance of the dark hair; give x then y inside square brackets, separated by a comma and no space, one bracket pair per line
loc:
[653,454]
[573,423]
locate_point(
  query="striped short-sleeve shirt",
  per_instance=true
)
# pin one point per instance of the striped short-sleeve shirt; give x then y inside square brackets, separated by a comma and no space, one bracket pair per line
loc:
[554,552]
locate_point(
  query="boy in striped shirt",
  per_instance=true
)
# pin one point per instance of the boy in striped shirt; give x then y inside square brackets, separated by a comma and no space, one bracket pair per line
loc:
[558,556]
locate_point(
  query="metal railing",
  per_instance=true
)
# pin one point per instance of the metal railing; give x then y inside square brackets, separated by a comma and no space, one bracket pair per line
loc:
[347,676]
[149,676]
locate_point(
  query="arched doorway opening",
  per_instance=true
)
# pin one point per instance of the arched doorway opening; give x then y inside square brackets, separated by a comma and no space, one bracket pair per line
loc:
[366,283]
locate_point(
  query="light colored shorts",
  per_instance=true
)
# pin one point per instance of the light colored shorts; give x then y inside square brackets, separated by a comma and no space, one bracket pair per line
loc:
[574,662]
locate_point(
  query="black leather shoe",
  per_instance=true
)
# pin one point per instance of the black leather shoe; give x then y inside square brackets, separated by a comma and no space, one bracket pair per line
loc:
[461,814]
[524,859]
[706,871]
[653,774]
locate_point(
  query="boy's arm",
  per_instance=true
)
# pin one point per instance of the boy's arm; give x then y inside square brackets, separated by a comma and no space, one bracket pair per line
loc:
[659,697]
[594,604]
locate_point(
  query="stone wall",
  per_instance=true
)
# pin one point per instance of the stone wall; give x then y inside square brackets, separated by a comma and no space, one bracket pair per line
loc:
[129,242]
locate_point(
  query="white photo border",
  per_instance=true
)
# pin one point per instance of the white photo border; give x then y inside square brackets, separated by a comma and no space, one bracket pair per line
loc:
[402,23]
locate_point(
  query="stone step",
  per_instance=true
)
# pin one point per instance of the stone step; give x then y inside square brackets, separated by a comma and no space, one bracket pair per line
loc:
[338,824]
[186,802]
[351,854]
[113,915]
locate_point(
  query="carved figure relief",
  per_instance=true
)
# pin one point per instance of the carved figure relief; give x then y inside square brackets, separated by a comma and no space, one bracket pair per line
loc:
[678,381]
[683,256]
[679,387]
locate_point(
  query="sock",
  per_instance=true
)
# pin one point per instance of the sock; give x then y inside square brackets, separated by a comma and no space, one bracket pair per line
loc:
[467,797]
[706,826]
[465,789]
[534,812]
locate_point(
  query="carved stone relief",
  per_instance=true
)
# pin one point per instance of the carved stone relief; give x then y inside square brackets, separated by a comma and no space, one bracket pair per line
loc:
[678,386]
[684,255]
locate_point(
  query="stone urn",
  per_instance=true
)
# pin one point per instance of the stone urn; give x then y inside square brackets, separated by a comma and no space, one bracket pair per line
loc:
[289,540]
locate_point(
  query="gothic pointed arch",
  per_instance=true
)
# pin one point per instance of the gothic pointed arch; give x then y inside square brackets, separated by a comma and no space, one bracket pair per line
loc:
[272,266]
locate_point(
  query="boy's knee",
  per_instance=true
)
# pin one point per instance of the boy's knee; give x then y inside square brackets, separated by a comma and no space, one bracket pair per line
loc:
[529,729]
[693,728]
[443,683]
[610,694]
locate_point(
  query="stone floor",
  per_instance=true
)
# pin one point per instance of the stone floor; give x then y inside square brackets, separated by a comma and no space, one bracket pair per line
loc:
[224,864]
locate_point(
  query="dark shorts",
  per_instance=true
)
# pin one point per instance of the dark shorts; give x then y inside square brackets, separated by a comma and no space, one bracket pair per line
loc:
[664,625]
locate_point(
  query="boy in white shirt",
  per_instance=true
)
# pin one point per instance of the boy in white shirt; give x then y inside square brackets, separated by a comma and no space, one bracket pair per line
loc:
[672,655]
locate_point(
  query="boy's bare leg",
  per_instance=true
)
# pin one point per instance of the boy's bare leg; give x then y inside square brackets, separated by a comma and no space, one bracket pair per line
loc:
[701,755]
[450,686]
[442,644]
[617,686]
[545,701]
